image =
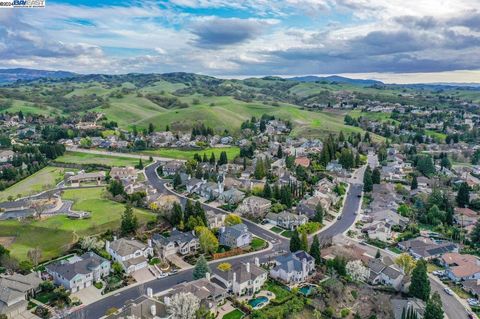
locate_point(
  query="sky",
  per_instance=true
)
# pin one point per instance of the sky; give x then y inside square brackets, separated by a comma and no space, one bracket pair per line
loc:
[396,41]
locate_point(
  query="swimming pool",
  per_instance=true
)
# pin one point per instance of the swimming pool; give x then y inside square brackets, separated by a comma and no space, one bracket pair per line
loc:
[306,290]
[259,301]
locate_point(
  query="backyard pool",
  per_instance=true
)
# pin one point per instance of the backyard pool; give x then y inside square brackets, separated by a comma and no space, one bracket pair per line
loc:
[306,290]
[258,302]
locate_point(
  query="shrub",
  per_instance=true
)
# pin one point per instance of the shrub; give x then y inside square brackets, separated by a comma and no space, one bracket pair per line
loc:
[344,312]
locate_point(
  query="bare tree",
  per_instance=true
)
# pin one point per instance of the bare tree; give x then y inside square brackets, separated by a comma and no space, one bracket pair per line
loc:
[35,255]
[183,306]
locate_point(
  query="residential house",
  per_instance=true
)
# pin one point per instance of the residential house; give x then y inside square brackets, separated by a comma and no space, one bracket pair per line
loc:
[242,278]
[232,196]
[172,167]
[334,167]
[183,243]
[287,220]
[130,253]
[211,295]
[79,272]
[124,173]
[385,272]
[15,291]
[144,307]
[302,161]
[465,217]
[293,268]
[6,156]
[254,206]
[235,236]
[427,248]
[82,177]
[215,220]
[461,267]
[379,230]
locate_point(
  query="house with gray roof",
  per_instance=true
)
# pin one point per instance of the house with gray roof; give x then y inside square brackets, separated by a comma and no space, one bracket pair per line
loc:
[145,307]
[253,206]
[286,219]
[235,236]
[293,268]
[426,248]
[232,196]
[383,271]
[242,278]
[78,272]
[15,291]
[130,253]
[183,243]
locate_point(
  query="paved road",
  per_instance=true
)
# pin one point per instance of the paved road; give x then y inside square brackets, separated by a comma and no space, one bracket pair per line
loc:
[279,244]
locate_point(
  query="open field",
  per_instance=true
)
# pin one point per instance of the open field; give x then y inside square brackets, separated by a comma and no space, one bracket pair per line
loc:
[45,178]
[232,152]
[54,235]
[86,158]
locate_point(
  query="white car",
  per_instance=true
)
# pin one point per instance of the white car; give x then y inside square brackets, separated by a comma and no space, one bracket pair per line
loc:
[162,275]
[448,291]
[472,301]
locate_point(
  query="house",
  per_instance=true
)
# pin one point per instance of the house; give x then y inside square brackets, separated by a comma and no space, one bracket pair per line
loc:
[124,173]
[293,268]
[253,206]
[334,167]
[302,161]
[427,248]
[82,177]
[384,271]
[287,220]
[6,156]
[232,196]
[193,184]
[461,267]
[79,272]
[183,243]
[380,230]
[465,216]
[145,307]
[235,236]
[172,167]
[242,278]
[15,291]
[130,253]
[472,286]
[401,306]
[211,295]
[215,220]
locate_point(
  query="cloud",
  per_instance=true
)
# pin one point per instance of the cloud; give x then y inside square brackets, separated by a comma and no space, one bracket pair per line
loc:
[218,32]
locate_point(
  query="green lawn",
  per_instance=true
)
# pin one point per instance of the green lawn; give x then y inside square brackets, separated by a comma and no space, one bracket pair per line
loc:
[287,233]
[232,152]
[54,235]
[258,243]
[45,178]
[281,293]
[86,158]
[276,229]
[235,314]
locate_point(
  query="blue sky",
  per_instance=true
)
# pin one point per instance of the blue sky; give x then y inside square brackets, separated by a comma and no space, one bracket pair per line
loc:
[394,40]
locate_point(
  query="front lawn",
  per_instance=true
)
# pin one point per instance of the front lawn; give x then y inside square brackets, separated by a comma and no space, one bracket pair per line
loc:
[235,314]
[45,297]
[258,244]
[287,233]
[276,229]
[45,178]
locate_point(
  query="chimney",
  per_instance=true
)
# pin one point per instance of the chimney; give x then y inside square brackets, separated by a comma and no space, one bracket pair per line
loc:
[248,267]
[234,279]
[149,242]
[304,265]
[153,310]
[107,245]
[114,238]
[257,262]
[207,276]
[149,292]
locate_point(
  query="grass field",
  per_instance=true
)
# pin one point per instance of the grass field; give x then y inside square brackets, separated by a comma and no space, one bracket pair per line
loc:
[235,314]
[54,235]
[85,158]
[232,152]
[45,178]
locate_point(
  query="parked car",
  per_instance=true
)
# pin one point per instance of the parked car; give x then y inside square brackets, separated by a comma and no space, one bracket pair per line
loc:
[439,273]
[162,275]
[472,301]
[339,217]
[448,291]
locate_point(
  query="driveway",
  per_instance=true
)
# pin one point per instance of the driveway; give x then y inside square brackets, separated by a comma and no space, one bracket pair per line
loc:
[88,295]
[143,275]
[178,261]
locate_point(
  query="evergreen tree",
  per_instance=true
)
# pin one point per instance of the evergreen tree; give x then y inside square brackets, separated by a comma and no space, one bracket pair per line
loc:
[129,222]
[304,241]
[140,164]
[475,235]
[279,151]
[376,177]
[177,214]
[223,158]
[378,254]
[319,214]
[151,128]
[212,159]
[414,184]
[201,268]
[115,187]
[200,212]
[463,195]
[188,211]
[177,181]
[259,169]
[295,243]
[420,285]
[315,251]
[434,310]
[367,180]
[267,191]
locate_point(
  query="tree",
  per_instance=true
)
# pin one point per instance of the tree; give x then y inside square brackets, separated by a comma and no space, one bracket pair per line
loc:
[140,164]
[116,187]
[414,184]
[406,262]
[295,243]
[177,181]
[475,235]
[420,285]
[35,255]
[224,266]
[267,191]
[315,251]
[304,241]
[319,214]
[378,254]
[232,219]
[356,270]
[212,159]
[433,309]
[183,305]
[151,128]
[129,222]
[201,268]
[376,177]
[425,165]
[91,243]
[279,151]
[208,241]
[367,180]
[223,158]
[463,195]
[259,169]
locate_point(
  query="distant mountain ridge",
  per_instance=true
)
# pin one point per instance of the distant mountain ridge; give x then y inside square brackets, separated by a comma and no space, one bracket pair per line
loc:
[335,78]
[13,75]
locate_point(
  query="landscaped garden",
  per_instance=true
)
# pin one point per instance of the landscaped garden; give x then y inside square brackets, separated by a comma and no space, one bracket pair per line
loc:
[258,244]
[235,314]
